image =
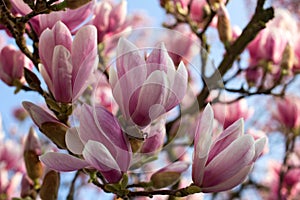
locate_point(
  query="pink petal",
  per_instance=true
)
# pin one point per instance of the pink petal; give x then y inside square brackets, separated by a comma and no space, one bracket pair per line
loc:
[62,35]
[158,59]
[62,162]
[73,141]
[226,138]
[126,86]
[259,147]
[233,181]
[153,92]
[202,144]
[178,85]
[62,74]
[46,76]
[84,56]
[128,57]
[238,154]
[98,156]
[118,15]
[46,46]
[74,18]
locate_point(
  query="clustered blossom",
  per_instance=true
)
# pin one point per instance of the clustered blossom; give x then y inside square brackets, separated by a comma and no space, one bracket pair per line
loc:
[226,161]
[273,50]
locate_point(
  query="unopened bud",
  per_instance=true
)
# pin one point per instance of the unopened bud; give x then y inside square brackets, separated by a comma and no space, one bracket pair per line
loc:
[169,175]
[32,142]
[223,26]
[74,4]
[288,57]
[31,156]
[49,188]
[164,179]
[55,132]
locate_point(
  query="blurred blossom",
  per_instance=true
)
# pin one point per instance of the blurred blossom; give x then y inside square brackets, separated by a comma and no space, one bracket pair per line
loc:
[270,43]
[227,114]
[9,184]
[67,64]
[290,188]
[188,48]
[146,88]
[110,19]
[287,112]
[20,113]
[225,162]
[71,18]
[99,140]
[103,94]
[12,63]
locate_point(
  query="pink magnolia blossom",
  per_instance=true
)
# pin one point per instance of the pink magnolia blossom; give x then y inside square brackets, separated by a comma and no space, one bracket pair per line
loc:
[270,43]
[229,113]
[188,48]
[146,88]
[66,64]
[197,12]
[225,162]
[12,63]
[110,19]
[71,18]
[99,140]
[287,112]
[290,183]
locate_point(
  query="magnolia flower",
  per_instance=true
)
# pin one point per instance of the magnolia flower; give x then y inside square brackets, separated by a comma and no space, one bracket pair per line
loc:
[287,112]
[225,162]
[71,18]
[66,65]
[99,140]
[12,63]
[146,88]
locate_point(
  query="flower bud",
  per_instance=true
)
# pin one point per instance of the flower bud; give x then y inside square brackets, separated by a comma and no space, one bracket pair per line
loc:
[32,151]
[55,132]
[223,26]
[169,175]
[74,4]
[49,188]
